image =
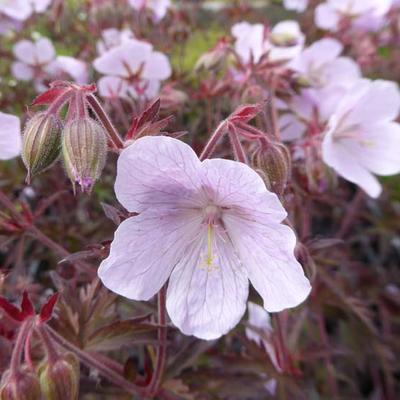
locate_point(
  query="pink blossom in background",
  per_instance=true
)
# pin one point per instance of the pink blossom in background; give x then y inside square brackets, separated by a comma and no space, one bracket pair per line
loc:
[37,61]
[111,38]
[362,138]
[133,68]
[208,227]
[320,65]
[364,14]
[22,9]
[158,8]
[10,136]
[295,5]
[253,41]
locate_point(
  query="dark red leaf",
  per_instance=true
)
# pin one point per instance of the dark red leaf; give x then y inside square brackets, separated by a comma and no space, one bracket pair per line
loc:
[46,311]
[12,311]
[150,114]
[245,113]
[26,305]
[48,96]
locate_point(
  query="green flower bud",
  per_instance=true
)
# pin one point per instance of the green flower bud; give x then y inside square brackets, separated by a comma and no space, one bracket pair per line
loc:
[60,380]
[24,385]
[41,143]
[84,148]
[275,164]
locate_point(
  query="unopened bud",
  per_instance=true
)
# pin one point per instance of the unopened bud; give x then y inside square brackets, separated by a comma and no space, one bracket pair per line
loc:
[59,380]
[84,149]
[41,143]
[275,164]
[23,385]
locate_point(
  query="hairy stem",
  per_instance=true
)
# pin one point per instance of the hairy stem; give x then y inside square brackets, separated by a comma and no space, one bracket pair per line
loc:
[92,362]
[212,143]
[23,333]
[106,122]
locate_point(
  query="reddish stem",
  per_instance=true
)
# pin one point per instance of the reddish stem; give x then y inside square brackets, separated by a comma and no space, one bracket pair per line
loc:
[213,141]
[106,122]
[154,385]
[23,332]
[237,146]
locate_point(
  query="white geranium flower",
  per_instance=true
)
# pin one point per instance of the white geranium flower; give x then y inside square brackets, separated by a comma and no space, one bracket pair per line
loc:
[362,138]
[132,68]
[208,228]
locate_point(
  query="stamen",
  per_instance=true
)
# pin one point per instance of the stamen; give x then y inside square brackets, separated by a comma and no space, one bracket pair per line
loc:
[208,260]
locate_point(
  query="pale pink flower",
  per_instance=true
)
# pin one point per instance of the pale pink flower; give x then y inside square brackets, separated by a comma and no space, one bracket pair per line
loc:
[296,5]
[111,38]
[320,65]
[253,41]
[37,61]
[10,136]
[158,8]
[132,68]
[365,14]
[207,227]
[362,138]
[22,9]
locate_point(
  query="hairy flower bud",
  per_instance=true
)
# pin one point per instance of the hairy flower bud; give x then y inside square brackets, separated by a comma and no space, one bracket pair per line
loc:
[60,380]
[24,385]
[41,143]
[275,164]
[84,148]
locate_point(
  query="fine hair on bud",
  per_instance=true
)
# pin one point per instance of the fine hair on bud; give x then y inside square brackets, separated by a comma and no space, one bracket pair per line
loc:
[59,380]
[84,149]
[273,160]
[20,385]
[41,143]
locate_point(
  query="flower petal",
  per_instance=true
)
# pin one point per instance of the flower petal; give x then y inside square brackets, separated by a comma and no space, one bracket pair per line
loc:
[236,186]
[339,155]
[157,67]
[10,136]
[44,51]
[125,59]
[377,101]
[112,86]
[208,301]
[266,250]
[158,172]
[22,71]
[144,251]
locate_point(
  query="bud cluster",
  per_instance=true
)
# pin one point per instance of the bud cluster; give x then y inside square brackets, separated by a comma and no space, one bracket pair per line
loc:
[80,139]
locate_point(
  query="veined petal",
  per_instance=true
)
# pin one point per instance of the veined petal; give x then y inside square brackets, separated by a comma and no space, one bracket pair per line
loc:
[144,251]
[158,172]
[339,155]
[267,251]
[236,186]
[207,299]
[22,71]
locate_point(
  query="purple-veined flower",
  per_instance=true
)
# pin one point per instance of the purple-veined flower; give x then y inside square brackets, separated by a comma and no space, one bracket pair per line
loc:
[158,8]
[209,227]
[253,41]
[364,14]
[296,5]
[10,136]
[132,68]
[362,138]
[37,61]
